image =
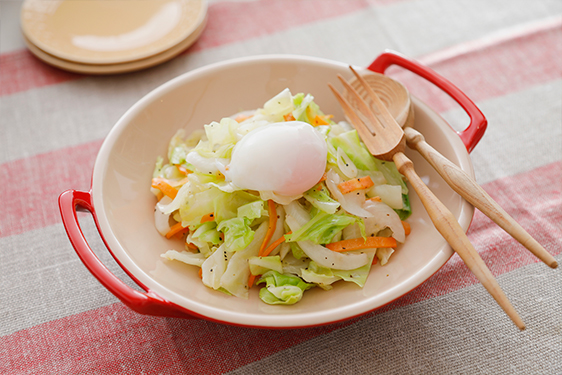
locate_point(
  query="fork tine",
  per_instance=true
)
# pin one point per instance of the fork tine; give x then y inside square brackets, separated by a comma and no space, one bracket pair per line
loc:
[371,122]
[347,108]
[382,140]
[381,112]
[356,121]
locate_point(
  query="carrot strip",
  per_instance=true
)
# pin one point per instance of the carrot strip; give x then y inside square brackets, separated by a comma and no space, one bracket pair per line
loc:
[184,170]
[241,118]
[175,229]
[375,199]
[164,187]
[375,259]
[272,225]
[407,228]
[289,117]
[191,246]
[201,272]
[355,184]
[208,217]
[251,280]
[360,243]
[271,247]
[323,178]
[266,252]
[321,120]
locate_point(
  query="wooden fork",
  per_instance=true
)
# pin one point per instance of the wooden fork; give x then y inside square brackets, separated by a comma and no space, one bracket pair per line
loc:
[456,178]
[385,139]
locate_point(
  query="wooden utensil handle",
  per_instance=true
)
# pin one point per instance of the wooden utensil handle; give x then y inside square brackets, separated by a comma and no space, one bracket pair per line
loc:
[451,230]
[467,188]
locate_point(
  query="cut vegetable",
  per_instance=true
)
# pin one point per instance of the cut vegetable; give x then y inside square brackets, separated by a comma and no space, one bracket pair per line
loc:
[175,229]
[361,243]
[165,187]
[272,247]
[272,225]
[331,212]
[207,217]
[407,228]
[355,184]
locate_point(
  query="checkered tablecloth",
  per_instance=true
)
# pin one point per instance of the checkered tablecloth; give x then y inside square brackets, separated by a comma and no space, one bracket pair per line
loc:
[506,55]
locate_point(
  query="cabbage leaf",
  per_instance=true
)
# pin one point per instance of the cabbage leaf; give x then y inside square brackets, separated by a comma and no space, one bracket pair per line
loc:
[282,289]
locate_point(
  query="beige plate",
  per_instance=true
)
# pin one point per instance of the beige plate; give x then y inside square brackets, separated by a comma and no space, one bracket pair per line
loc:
[124,204]
[100,32]
[117,68]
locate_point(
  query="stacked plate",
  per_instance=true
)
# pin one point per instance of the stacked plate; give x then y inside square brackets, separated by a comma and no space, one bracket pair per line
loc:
[109,37]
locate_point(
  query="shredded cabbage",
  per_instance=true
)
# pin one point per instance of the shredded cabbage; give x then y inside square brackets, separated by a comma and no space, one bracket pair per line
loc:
[282,289]
[230,237]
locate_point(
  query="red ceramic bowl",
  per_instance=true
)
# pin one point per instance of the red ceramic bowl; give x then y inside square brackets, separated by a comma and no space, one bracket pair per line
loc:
[122,204]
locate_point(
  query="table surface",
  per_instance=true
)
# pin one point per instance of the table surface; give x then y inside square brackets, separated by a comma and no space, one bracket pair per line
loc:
[506,55]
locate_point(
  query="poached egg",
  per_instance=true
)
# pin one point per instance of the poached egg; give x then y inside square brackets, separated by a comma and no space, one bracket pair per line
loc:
[286,158]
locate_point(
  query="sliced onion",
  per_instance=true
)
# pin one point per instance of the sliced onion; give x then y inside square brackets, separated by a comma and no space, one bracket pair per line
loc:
[384,254]
[177,202]
[161,219]
[284,250]
[382,216]
[332,259]
[345,164]
[298,213]
[326,257]
[352,202]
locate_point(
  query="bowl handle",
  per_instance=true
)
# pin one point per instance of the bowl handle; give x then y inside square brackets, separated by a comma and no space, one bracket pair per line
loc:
[478,123]
[148,302]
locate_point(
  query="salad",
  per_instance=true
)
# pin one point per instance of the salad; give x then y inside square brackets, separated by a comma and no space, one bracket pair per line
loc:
[281,197]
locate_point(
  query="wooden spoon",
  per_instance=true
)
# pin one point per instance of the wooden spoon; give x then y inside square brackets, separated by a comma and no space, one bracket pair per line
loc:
[458,180]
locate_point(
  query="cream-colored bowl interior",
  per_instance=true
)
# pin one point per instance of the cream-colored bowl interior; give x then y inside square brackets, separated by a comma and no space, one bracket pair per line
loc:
[124,205]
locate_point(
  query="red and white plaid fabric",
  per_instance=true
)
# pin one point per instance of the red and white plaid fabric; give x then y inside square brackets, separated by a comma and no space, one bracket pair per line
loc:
[506,55]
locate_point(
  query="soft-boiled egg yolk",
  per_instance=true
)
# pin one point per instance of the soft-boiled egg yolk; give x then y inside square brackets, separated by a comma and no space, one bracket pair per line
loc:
[287,158]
